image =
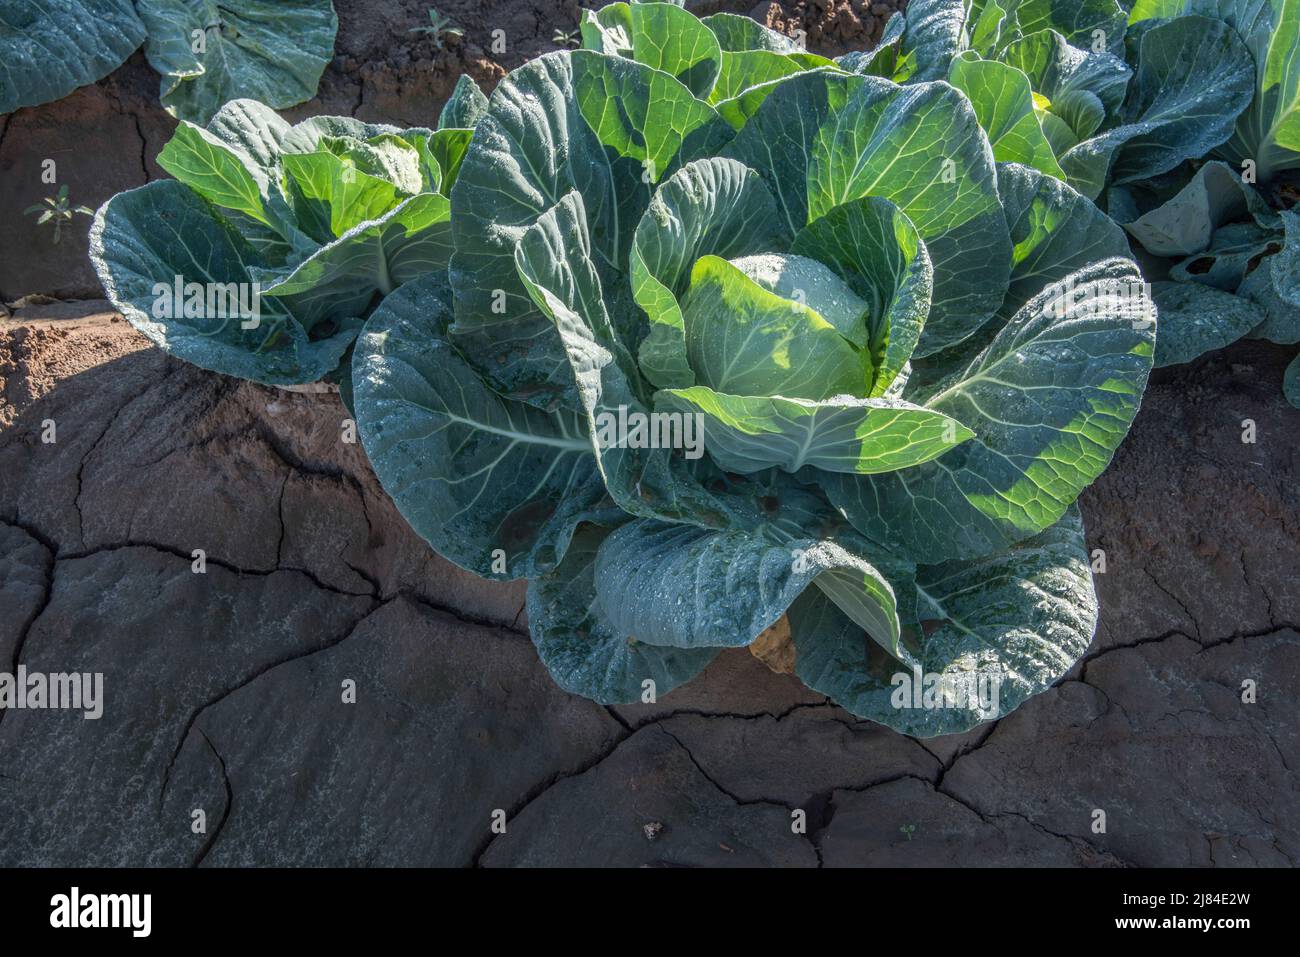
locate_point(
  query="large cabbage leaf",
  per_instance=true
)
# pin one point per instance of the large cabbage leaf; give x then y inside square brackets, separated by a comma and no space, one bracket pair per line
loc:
[48,49]
[210,52]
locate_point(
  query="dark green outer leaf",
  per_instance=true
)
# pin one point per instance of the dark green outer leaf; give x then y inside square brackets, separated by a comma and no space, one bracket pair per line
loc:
[1049,401]
[50,48]
[273,51]
[466,106]
[536,144]
[1054,231]
[1023,617]
[1291,382]
[1185,224]
[681,586]
[1194,77]
[1281,318]
[151,235]
[1233,250]
[1196,319]
[579,647]
[1076,20]
[471,472]
[935,34]
[554,260]
[737,34]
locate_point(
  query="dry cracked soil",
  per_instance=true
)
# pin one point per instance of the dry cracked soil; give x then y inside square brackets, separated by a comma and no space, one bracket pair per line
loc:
[224,689]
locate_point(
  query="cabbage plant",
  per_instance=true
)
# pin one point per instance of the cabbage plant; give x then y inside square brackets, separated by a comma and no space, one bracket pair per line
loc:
[206,52]
[1181,117]
[1220,235]
[1073,90]
[310,224]
[740,347]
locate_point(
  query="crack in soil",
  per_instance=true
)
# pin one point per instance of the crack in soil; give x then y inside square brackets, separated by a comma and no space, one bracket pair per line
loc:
[535,792]
[112,420]
[230,802]
[265,669]
[741,716]
[737,799]
[144,146]
[1178,601]
[47,568]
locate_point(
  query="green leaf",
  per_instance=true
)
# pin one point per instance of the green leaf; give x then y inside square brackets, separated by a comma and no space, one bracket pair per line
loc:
[644,115]
[708,207]
[204,163]
[1268,131]
[1281,321]
[142,240]
[659,35]
[49,49]
[1286,265]
[447,148]
[536,144]
[1054,232]
[582,651]
[872,244]
[755,69]
[471,472]
[1193,79]
[986,27]
[388,156]
[1004,104]
[677,586]
[273,51]
[310,135]
[341,278]
[737,34]
[1077,20]
[1274,286]
[821,140]
[1058,70]
[1195,319]
[253,132]
[1186,223]
[1233,250]
[554,260]
[466,106]
[1049,400]
[754,61]
[935,33]
[886,58]
[1001,629]
[859,436]
[330,195]
[743,340]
